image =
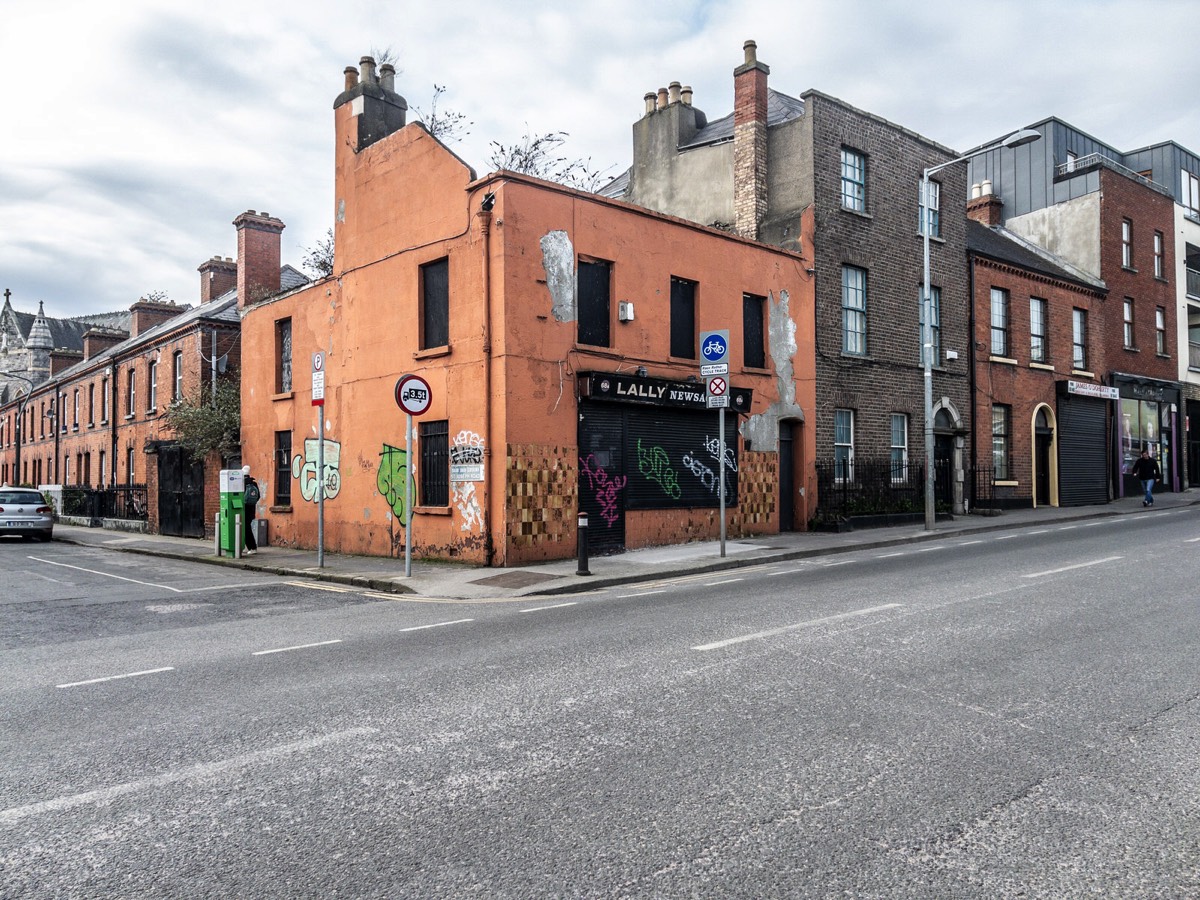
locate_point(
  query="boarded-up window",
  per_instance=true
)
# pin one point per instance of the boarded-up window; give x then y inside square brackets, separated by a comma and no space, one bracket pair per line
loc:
[594,305]
[683,318]
[435,304]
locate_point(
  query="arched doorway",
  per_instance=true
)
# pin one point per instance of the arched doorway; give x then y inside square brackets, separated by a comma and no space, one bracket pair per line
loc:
[1045,464]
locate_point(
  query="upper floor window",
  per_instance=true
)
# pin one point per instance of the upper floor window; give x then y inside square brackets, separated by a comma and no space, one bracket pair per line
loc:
[92,404]
[1189,192]
[854,180]
[930,206]
[1158,255]
[103,400]
[1072,160]
[754,354]
[283,356]
[1037,330]
[1000,346]
[1160,330]
[152,386]
[683,318]
[1127,243]
[177,369]
[75,416]
[131,392]
[435,304]
[1079,339]
[854,310]
[595,307]
[1127,317]
[935,332]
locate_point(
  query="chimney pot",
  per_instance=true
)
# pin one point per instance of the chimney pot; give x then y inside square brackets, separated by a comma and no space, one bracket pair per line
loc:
[751,49]
[367,64]
[387,77]
[662,98]
[649,98]
[976,190]
[985,187]
[674,92]
[351,77]
[686,95]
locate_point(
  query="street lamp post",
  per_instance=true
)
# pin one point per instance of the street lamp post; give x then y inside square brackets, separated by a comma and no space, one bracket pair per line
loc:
[1016,139]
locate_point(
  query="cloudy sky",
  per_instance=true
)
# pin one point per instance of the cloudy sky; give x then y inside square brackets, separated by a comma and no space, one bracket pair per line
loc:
[134,132]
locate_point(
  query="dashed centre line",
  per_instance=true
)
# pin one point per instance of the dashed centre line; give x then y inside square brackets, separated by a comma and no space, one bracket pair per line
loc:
[437,625]
[71,684]
[552,606]
[812,623]
[1085,565]
[297,647]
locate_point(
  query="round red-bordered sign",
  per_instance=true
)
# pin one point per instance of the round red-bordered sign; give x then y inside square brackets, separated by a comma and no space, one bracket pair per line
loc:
[413,394]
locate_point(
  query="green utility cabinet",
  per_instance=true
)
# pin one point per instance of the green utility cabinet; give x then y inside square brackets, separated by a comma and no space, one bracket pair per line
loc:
[233,511]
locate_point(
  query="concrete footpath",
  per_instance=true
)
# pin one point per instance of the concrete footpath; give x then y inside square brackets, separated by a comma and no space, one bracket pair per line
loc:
[455,581]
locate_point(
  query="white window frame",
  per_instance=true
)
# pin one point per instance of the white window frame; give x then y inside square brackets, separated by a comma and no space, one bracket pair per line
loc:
[854,180]
[152,386]
[854,311]
[843,446]
[177,361]
[1158,254]
[1160,330]
[129,459]
[899,454]
[1127,322]
[1001,442]
[1038,311]
[131,400]
[1127,243]
[1079,339]
[934,209]
[1189,192]
[935,337]
[1000,319]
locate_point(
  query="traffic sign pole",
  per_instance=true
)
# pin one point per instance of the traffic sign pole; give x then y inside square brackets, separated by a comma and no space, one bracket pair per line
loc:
[714,354]
[414,397]
[318,400]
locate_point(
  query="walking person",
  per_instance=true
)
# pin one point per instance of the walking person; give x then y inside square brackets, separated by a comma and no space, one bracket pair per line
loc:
[250,498]
[1146,469]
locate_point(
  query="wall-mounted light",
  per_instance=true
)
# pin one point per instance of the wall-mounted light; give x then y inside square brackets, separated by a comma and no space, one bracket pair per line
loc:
[641,371]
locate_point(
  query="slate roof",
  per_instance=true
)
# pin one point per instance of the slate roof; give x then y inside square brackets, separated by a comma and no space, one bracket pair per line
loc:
[1000,244]
[68,333]
[780,108]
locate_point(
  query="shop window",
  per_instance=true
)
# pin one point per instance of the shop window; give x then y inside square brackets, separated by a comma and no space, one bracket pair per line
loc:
[594,303]
[435,463]
[683,318]
[754,354]
[435,304]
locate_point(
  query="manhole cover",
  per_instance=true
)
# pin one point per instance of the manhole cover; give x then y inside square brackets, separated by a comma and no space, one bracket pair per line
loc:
[515,579]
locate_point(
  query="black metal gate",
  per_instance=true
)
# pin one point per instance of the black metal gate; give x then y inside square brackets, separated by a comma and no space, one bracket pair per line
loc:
[180,493]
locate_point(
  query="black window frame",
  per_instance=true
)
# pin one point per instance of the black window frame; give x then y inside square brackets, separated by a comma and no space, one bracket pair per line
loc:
[593,282]
[434,448]
[754,324]
[683,318]
[282,489]
[435,304]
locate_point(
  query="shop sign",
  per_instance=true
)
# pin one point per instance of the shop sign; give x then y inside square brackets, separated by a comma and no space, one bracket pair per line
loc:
[1087,389]
[657,391]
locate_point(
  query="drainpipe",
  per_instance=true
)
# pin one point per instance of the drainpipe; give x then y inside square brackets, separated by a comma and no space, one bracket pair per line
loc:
[485,231]
[972,377]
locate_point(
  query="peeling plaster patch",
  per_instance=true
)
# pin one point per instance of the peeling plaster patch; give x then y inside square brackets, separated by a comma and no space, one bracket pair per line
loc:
[341,210]
[558,259]
[762,430]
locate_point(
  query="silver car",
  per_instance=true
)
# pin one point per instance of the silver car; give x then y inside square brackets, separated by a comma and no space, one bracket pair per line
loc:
[25,512]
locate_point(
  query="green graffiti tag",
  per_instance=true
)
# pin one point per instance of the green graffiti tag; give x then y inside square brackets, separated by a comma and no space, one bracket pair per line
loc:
[656,466]
[393,470]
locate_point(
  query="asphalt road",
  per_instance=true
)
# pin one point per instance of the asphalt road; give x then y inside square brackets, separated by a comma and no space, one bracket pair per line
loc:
[1013,715]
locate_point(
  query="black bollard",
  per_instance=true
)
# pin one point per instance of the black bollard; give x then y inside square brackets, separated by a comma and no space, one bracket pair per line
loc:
[583,547]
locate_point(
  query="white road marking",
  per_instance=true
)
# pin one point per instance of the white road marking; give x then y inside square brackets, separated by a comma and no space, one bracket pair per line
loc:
[297,647]
[554,606]
[51,562]
[1191,540]
[191,773]
[726,581]
[838,562]
[1006,537]
[772,632]
[1095,562]
[1039,531]
[320,587]
[1090,524]
[969,543]
[927,549]
[116,677]
[642,594]
[436,625]
[889,555]
[1067,527]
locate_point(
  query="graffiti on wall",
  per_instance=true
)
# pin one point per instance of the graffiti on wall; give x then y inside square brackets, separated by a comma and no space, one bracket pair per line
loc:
[393,470]
[304,468]
[713,446]
[655,465]
[604,486]
[707,476]
[466,462]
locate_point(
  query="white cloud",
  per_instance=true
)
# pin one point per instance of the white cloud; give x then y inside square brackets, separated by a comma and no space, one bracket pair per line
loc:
[136,132]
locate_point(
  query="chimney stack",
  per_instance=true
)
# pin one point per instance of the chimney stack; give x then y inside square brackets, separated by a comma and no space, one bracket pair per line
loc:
[258,258]
[985,208]
[148,313]
[375,109]
[217,277]
[750,143]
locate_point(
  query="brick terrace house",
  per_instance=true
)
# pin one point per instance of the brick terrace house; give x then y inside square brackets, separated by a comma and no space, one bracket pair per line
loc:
[1037,404]
[816,171]
[557,331]
[1079,199]
[96,421]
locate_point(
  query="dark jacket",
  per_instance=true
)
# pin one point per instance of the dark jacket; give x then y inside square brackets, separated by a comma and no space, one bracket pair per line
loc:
[1146,468]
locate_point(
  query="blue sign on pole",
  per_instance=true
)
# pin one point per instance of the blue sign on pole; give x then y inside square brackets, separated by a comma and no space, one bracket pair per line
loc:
[714,346]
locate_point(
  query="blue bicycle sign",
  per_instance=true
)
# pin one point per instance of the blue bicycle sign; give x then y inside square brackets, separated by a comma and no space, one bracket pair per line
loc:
[714,345]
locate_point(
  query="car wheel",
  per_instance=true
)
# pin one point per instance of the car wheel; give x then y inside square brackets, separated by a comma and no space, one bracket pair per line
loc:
[46,538]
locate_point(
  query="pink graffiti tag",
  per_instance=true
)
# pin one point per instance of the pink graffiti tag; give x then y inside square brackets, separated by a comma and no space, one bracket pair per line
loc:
[605,486]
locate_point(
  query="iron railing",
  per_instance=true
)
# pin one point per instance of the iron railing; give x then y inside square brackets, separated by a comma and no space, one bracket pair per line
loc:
[981,487]
[118,501]
[878,489]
